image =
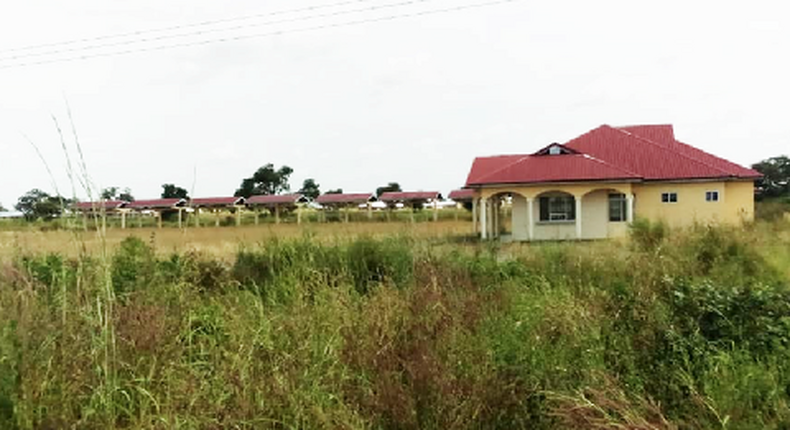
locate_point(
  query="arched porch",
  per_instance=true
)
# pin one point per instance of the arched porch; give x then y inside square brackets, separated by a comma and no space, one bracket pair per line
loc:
[566,212]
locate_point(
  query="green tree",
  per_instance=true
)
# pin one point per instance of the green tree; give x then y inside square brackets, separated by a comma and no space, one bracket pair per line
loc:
[310,189]
[2,208]
[126,195]
[265,181]
[776,177]
[392,187]
[337,191]
[109,193]
[170,191]
[37,204]
[115,193]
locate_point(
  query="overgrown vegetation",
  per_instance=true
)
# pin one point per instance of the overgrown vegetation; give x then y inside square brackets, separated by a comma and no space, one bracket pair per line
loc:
[680,330]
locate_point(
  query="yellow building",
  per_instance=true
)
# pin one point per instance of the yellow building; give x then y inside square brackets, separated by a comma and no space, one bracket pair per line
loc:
[593,186]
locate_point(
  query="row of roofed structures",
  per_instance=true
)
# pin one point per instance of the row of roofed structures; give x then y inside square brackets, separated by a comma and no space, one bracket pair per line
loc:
[274,205]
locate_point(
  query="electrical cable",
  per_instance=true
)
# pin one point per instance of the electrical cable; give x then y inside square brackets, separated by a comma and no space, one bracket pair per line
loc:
[262,35]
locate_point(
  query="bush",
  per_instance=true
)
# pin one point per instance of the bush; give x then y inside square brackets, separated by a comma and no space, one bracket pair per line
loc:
[133,265]
[9,373]
[648,235]
[373,262]
[399,333]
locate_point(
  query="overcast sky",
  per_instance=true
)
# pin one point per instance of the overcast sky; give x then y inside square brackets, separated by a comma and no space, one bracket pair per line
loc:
[410,100]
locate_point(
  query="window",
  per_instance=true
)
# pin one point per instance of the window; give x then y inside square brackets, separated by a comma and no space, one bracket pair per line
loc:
[555,150]
[618,208]
[557,208]
[669,197]
[711,196]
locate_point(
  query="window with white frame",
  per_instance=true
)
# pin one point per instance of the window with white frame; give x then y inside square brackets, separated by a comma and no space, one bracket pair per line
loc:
[669,197]
[618,207]
[557,208]
[711,196]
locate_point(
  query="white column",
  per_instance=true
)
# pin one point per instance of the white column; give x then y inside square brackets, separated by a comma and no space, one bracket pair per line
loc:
[483,219]
[578,217]
[530,219]
[495,217]
[630,209]
[474,215]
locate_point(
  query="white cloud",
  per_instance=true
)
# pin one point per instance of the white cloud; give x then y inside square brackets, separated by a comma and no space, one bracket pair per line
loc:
[411,100]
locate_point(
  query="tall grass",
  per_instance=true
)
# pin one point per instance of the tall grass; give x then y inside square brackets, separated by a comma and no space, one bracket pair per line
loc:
[687,330]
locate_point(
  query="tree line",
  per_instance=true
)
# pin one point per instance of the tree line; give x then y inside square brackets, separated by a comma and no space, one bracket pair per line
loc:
[37,204]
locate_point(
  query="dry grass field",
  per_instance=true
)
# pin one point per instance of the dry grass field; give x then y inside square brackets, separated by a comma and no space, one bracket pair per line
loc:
[216,241]
[394,326]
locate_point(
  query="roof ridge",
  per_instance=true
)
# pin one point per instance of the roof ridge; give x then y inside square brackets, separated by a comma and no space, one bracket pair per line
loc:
[670,149]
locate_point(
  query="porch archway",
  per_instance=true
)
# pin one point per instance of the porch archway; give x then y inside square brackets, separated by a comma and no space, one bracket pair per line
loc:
[607,213]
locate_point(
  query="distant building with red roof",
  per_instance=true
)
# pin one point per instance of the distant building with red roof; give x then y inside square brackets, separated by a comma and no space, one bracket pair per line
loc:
[594,185]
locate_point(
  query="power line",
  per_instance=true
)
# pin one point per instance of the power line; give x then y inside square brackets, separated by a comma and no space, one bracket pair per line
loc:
[179,27]
[212,30]
[269,34]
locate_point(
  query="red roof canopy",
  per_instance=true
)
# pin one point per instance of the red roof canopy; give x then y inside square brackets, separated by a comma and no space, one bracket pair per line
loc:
[665,135]
[157,204]
[460,195]
[217,201]
[328,199]
[276,199]
[632,153]
[102,205]
[410,196]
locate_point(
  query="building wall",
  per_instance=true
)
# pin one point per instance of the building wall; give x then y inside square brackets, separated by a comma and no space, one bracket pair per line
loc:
[595,217]
[519,227]
[740,196]
[735,205]
[736,202]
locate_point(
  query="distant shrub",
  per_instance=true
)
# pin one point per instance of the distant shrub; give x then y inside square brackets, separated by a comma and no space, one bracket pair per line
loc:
[47,270]
[719,252]
[133,265]
[252,268]
[373,261]
[205,273]
[648,235]
[9,373]
[772,210]
[757,316]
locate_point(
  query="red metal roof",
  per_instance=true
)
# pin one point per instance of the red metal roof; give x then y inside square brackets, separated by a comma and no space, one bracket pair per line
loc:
[665,135]
[328,199]
[157,203]
[607,153]
[554,168]
[217,201]
[102,205]
[411,195]
[460,195]
[276,199]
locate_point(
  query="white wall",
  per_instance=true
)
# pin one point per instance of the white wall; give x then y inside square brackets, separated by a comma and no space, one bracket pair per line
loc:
[595,220]
[595,215]
[519,226]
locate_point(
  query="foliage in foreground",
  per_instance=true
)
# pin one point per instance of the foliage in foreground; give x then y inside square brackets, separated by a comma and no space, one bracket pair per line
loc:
[678,332]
